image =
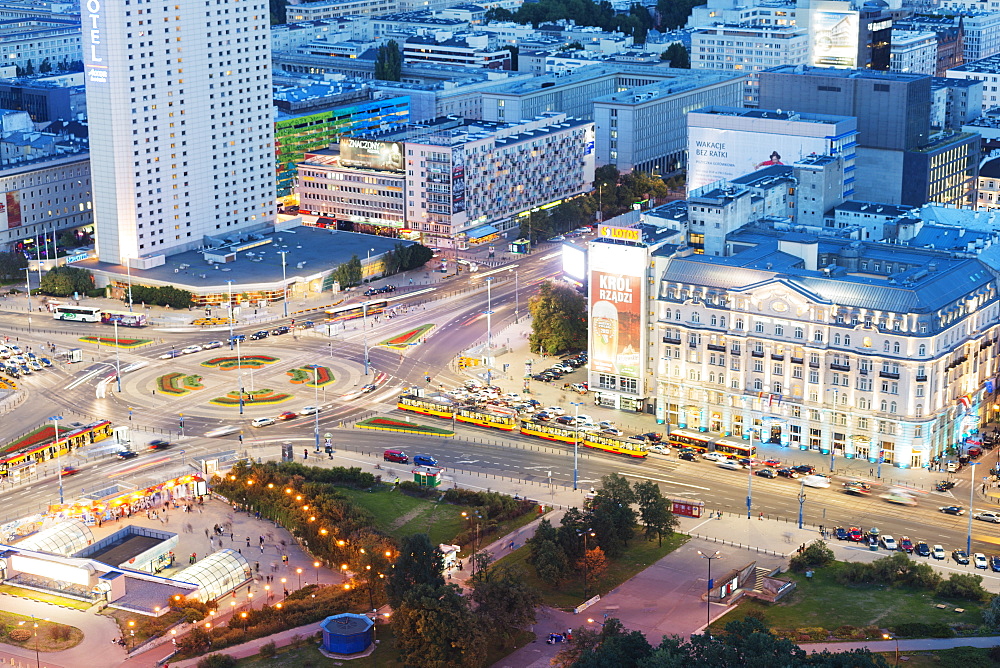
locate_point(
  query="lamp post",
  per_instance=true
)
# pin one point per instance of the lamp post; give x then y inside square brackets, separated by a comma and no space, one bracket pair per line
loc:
[128,270]
[802,499]
[708,590]
[239,366]
[34,623]
[368,262]
[489,326]
[472,517]
[298,571]
[516,301]
[316,403]
[316,565]
[55,420]
[118,359]
[576,442]
[972,489]
[749,471]
[284,285]
[364,326]
[27,288]
[887,636]
[585,533]
[230,314]
[836,396]
[131,633]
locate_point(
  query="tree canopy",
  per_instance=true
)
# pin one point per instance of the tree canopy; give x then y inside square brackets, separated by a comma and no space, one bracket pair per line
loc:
[349,273]
[389,62]
[419,563]
[435,628]
[405,257]
[602,14]
[559,319]
[12,266]
[677,55]
[64,281]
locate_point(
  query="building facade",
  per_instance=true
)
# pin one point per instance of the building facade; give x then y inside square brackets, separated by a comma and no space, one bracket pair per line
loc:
[34,41]
[986,70]
[183,140]
[312,11]
[913,52]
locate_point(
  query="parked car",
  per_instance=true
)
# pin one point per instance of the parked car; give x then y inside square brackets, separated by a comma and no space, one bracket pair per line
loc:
[554,410]
[46,361]
[995,564]
[716,457]
[905,544]
[952,510]
[788,473]
[980,561]
[614,431]
[262,422]
[126,454]
[987,516]
[840,533]
[922,549]
[960,557]
[767,473]
[855,534]
[889,543]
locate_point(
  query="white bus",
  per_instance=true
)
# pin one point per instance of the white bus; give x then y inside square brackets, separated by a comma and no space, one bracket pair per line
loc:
[78,313]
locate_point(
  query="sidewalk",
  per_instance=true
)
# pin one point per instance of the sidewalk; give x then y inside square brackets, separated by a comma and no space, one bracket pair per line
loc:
[924,645]
[252,648]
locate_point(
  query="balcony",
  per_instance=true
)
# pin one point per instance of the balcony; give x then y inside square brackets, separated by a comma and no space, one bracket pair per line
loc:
[777,358]
[716,347]
[797,360]
[735,351]
[813,365]
[888,374]
[757,353]
[840,367]
[863,371]
[921,379]
[674,340]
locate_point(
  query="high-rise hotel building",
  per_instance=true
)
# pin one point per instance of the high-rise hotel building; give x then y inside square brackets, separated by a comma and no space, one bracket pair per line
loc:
[181,123]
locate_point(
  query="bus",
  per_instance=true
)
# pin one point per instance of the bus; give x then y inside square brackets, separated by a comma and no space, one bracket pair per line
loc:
[123,318]
[702,442]
[77,313]
[355,311]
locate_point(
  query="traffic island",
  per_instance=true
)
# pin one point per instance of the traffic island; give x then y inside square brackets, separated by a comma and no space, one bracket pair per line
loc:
[388,424]
[409,338]
[115,343]
[229,363]
[178,384]
[312,375]
[263,397]
[49,636]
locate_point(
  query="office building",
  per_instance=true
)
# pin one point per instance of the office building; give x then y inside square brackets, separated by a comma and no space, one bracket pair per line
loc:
[986,70]
[644,128]
[913,52]
[950,34]
[28,43]
[465,49]
[317,115]
[988,185]
[943,171]
[955,102]
[182,141]
[62,97]
[313,11]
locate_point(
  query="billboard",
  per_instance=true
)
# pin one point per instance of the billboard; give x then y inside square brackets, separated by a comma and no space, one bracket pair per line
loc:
[457,181]
[10,208]
[371,154]
[715,154]
[834,38]
[574,262]
[616,308]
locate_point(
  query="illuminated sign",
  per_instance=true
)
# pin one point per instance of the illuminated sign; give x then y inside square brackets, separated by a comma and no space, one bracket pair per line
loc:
[616,308]
[834,37]
[96,71]
[574,262]
[623,233]
[371,154]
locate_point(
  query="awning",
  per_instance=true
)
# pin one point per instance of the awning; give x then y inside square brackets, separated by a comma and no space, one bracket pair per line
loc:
[481,232]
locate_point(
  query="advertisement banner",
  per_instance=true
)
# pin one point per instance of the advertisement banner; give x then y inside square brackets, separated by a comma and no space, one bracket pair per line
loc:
[457,181]
[13,206]
[371,154]
[727,154]
[834,39]
[616,299]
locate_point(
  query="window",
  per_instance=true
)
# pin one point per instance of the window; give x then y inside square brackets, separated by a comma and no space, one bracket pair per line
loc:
[758,327]
[758,385]
[818,337]
[799,333]
[779,330]
[776,388]
[739,323]
[922,349]
[814,376]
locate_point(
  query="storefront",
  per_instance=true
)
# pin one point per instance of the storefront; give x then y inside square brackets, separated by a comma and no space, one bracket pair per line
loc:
[113,502]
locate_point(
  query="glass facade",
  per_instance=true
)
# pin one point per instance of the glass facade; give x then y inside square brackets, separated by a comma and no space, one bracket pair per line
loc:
[217,574]
[65,538]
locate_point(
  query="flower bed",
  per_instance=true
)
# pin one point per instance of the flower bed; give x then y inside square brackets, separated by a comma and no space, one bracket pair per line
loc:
[389,424]
[121,342]
[251,398]
[177,384]
[247,362]
[312,375]
[409,338]
[34,437]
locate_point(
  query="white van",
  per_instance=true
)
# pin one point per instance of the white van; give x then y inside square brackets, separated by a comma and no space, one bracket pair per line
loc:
[820,481]
[950,467]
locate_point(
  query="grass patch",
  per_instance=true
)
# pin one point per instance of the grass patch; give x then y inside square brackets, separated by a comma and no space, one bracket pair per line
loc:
[120,343]
[228,363]
[407,338]
[45,597]
[51,637]
[390,424]
[566,595]
[145,627]
[821,602]
[307,655]
[263,397]
[959,657]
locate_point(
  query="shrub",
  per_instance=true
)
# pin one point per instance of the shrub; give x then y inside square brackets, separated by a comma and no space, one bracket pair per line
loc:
[413,489]
[964,586]
[813,633]
[994,653]
[924,630]
[217,661]
[845,631]
[268,650]
[19,635]
[816,555]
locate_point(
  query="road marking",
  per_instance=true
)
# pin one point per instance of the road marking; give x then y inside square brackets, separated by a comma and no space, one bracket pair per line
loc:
[669,482]
[83,379]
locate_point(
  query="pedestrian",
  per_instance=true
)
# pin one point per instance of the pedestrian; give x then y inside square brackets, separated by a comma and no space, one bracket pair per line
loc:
[761,517]
[284,559]
[262,549]
[305,453]
[256,566]
[248,541]
[286,591]
[261,540]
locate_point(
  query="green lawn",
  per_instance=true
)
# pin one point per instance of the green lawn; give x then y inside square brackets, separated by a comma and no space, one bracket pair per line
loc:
[821,602]
[46,598]
[568,594]
[50,636]
[960,657]
[401,515]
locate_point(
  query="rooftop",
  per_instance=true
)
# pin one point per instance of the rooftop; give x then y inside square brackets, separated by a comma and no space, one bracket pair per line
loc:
[990,65]
[845,74]
[664,89]
[772,115]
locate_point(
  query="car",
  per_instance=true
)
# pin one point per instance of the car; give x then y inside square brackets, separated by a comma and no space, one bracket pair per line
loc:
[171,355]
[905,544]
[262,422]
[775,463]
[556,238]
[859,488]
[662,449]
[922,549]
[716,457]
[159,444]
[370,387]
[899,497]
[540,377]
[237,338]
[564,419]
[766,473]
[257,336]
[840,533]
[960,557]
[46,361]
[605,424]
[889,543]
[288,415]
[542,416]
[554,410]
[804,469]
[583,418]
[222,431]
[987,516]
[35,365]
[952,510]
[995,564]
[211,345]
[729,464]
[309,410]
[424,460]
[613,431]
[688,455]
[938,552]
[126,454]
[191,349]
[788,473]
[25,370]
[980,561]
[855,534]
[68,470]
[814,480]
[278,331]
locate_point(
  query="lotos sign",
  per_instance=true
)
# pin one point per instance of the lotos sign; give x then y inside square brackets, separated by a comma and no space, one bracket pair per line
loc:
[623,233]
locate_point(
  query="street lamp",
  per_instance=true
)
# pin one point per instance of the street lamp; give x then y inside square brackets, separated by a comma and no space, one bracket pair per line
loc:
[299,572]
[472,517]
[55,419]
[131,632]
[316,403]
[802,500]
[887,636]
[576,441]
[230,282]
[27,290]
[284,285]
[708,592]
[364,326]
[585,533]
[316,565]
[368,263]
[836,396]
[516,302]
[128,270]
[118,358]
[239,365]
[749,471]
[972,489]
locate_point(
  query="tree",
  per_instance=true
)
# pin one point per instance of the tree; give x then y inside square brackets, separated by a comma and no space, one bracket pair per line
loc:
[559,319]
[677,55]
[12,266]
[991,613]
[389,62]
[435,628]
[349,273]
[619,648]
[515,52]
[674,13]
[505,604]
[654,511]
[816,555]
[612,517]
[196,641]
[550,561]
[498,14]
[594,563]
[217,661]
[64,281]
[45,67]
[419,563]
[965,586]
[277,8]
